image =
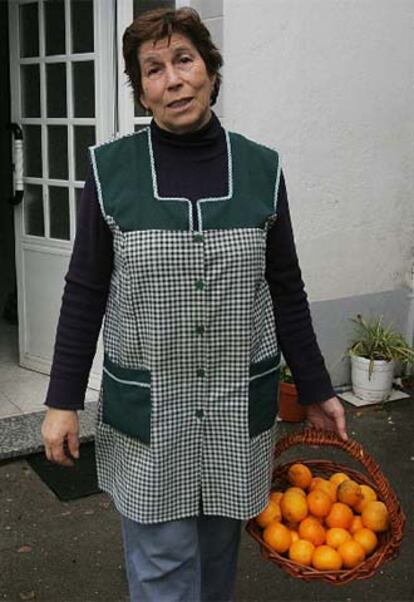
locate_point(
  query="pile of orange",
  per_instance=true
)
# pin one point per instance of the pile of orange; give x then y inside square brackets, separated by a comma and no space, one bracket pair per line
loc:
[327,523]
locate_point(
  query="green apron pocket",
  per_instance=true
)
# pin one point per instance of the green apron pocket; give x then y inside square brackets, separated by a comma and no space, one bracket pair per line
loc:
[263,392]
[127,400]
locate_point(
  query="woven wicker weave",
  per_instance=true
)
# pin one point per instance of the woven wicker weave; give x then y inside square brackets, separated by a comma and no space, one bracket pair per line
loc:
[388,542]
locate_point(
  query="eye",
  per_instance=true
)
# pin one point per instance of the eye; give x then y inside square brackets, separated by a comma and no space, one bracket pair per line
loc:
[186,60]
[153,71]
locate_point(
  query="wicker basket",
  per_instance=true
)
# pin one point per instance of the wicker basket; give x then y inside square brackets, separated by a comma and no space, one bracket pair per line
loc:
[388,542]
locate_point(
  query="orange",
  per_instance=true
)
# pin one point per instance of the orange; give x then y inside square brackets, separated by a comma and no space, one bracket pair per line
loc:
[296,490]
[319,502]
[294,507]
[338,477]
[349,492]
[340,515]
[294,535]
[271,513]
[278,537]
[328,487]
[276,496]
[314,482]
[367,539]
[368,495]
[299,475]
[311,530]
[375,516]
[301,551]
[356,524]
[326,558]
[336,536]
[352,553]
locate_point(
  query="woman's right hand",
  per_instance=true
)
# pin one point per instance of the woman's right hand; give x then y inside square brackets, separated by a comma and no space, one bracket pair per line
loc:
[58,426]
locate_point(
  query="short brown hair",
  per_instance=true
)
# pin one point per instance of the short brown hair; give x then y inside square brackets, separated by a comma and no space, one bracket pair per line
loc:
[161,23]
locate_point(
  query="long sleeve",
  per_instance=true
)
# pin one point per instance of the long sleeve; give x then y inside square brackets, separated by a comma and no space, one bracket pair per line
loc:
[295,331]
[83,305]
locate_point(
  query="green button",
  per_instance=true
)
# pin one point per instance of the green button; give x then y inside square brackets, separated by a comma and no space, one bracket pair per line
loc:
[199,285]
[199,413]
[198,238]
[200,329]
[201,372]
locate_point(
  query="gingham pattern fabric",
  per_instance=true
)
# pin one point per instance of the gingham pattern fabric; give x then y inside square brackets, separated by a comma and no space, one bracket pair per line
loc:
[198,342]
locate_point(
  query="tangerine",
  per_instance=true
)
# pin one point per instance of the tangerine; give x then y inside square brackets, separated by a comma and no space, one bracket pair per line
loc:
[349,492]
[328,487]
[367,539]
[340,515]
[352,553]
[271,513]
[356,524]
[278,537]
[299,475]
[338,477]
[326,558]
[296,490]
[311,530]
[314,482]
[294,534]
[301,551]
[337,536]
[375,516]
[294,507]
[319,502]
[276,496]
[368,495]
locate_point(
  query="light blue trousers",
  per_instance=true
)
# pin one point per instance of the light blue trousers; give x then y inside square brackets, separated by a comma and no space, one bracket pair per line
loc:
[187,560]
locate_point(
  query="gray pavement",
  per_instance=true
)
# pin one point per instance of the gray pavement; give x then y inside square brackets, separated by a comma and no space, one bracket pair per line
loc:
[72,551]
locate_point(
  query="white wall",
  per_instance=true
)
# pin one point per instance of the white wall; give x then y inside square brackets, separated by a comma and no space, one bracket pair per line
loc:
[329,83]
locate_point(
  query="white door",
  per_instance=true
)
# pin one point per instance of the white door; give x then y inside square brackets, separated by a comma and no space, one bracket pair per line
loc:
[68,91]
[63,97]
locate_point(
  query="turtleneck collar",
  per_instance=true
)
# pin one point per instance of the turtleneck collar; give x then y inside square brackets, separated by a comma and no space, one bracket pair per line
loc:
[207,135]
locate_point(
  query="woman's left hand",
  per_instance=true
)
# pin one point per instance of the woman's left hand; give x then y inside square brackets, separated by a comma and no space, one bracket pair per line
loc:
[328,415]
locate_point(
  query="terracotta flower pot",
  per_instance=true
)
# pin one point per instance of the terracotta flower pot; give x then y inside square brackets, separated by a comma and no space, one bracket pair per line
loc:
[290,410]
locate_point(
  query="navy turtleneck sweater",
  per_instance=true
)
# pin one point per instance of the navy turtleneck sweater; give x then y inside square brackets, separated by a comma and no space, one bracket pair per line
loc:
[192,166]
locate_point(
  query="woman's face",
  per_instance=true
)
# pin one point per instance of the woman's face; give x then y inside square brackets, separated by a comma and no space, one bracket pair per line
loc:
[176,85]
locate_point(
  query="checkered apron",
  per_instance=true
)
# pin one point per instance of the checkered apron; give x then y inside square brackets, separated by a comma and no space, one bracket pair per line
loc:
[188,403]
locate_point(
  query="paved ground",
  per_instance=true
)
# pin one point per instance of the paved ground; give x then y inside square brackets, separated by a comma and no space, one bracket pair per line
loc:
[72,551]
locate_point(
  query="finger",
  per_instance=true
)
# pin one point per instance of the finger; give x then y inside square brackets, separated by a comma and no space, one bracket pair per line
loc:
[73,444]
[341,428]
[59,456]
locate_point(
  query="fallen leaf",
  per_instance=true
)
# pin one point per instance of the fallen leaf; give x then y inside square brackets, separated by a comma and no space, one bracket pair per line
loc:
[24,549]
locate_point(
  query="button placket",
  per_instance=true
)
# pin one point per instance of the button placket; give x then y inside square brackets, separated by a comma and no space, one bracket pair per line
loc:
[199,328]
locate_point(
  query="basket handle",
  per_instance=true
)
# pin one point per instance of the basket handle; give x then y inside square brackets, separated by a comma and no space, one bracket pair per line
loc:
[313,436]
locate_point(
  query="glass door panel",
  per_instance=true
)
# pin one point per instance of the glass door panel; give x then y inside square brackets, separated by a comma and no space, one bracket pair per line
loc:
[29,30]
[32,137]
[33,210]
[30,90]
[82,26]
[56,90]
[59,212]
[83,89]
[54,11]
[58,151]
[84,137]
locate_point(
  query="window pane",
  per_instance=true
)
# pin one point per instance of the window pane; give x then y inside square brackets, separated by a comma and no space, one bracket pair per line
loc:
[84,137]
[138,110]
[140,6]
[30,82]
[29,30]
[82,25]
[78,195]
[33,210]
[59,212]
[83,89]
[55,26]
[32,144]
[56,89]
[58,151]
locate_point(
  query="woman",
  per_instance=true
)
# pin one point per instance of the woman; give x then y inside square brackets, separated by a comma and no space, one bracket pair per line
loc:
[179,246]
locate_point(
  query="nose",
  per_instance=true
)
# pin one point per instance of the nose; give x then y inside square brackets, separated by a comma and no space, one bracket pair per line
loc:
[173,76]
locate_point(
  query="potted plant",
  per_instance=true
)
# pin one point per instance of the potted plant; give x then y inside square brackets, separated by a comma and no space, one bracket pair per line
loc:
[289,409]
[374,352]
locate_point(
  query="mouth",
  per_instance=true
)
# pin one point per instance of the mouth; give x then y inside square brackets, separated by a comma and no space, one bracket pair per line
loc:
[181,103]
